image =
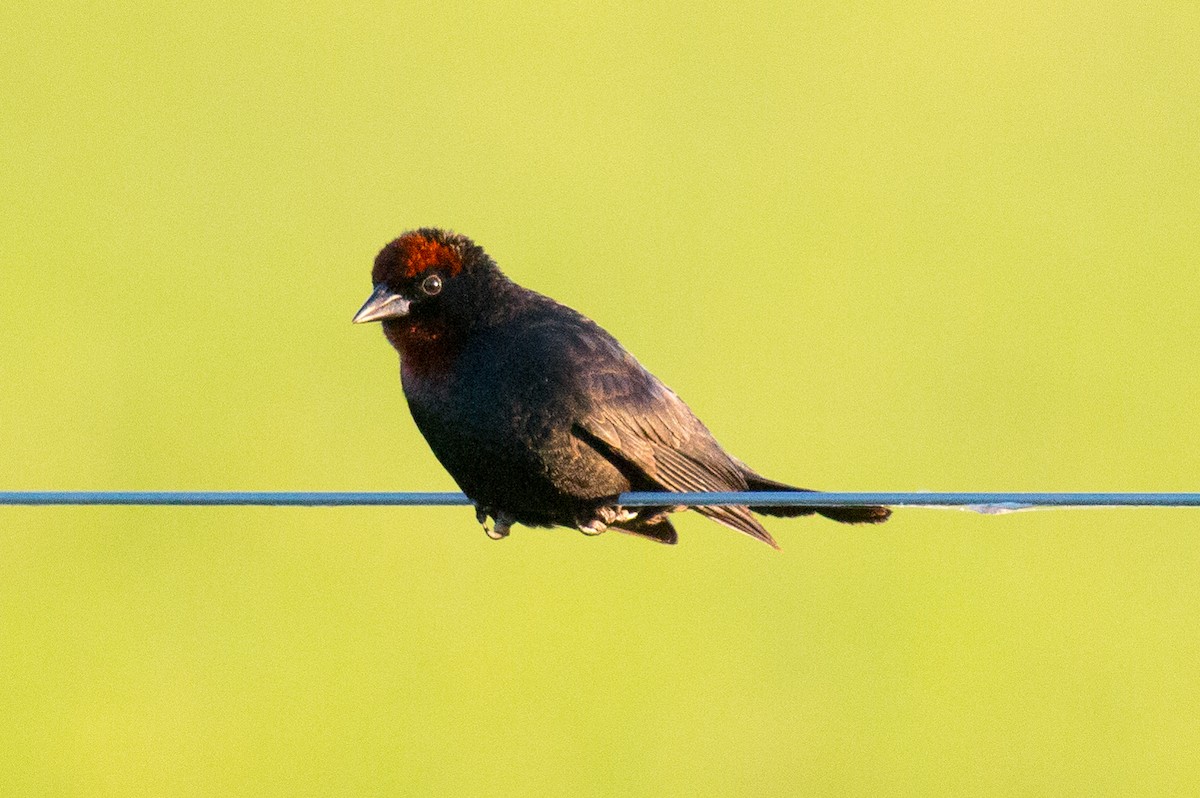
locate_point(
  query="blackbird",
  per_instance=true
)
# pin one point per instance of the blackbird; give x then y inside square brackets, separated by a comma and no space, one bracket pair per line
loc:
[539,415]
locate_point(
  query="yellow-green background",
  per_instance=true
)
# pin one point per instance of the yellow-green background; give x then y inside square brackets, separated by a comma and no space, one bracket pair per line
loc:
[886,246]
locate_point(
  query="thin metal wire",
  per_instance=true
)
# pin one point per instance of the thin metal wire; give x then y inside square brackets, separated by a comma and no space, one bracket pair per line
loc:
[976,501]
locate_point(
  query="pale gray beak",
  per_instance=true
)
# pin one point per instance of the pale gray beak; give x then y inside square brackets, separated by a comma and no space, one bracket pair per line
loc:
[383,304]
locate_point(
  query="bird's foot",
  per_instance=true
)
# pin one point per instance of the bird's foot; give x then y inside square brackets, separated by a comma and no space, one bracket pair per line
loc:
[503,526]
[602,518]
[593,527]
[503,522]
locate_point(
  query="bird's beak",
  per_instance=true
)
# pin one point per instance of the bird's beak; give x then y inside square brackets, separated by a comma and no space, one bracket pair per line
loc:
[383,304]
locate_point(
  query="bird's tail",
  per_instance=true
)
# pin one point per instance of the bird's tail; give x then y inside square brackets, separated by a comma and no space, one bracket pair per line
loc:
[846,515]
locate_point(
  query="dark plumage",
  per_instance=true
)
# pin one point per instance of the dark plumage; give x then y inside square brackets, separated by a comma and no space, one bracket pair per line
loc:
[541,417]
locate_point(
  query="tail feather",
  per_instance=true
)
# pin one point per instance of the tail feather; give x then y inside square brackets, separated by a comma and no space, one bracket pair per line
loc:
[846,515]
[739,518]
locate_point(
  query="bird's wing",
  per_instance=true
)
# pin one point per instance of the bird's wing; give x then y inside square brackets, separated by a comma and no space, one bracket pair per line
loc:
[650,434]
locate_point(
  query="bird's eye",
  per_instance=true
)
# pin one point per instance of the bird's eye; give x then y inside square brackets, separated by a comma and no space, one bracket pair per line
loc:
[432,285]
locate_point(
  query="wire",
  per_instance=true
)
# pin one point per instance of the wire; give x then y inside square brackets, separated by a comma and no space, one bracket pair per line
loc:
[976,501]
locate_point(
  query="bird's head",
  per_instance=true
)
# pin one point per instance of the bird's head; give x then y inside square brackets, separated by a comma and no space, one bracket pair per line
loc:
[425,273]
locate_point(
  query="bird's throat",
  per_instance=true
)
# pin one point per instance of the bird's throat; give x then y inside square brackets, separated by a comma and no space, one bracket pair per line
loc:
[427,348]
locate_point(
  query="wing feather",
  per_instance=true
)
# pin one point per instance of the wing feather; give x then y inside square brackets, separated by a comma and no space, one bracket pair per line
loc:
[670,449]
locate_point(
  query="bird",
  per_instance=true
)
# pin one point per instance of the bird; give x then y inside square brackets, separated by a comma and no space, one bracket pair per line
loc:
[539,414]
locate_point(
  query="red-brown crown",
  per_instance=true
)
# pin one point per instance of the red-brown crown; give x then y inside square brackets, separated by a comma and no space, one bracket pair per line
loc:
[418,252]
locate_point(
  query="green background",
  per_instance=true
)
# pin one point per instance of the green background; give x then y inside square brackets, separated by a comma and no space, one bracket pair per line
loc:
[882,247]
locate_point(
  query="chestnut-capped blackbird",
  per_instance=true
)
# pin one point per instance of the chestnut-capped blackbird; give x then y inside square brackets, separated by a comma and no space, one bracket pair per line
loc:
[541,417]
